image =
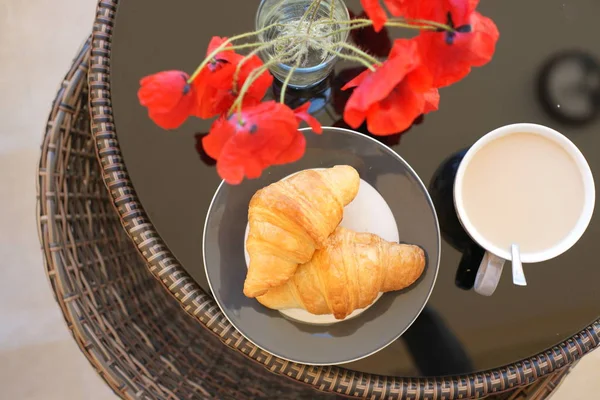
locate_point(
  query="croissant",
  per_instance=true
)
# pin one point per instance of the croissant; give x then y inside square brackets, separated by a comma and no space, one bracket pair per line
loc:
[292,218]
[348,274]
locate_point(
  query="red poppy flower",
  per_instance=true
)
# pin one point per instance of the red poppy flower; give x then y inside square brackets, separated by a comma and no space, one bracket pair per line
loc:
[214,84]
[449,56]
[168,97]
[394,95]
[263,135]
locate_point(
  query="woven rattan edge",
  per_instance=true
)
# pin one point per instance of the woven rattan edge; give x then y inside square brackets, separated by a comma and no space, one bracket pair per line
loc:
[164,267]
[73,83]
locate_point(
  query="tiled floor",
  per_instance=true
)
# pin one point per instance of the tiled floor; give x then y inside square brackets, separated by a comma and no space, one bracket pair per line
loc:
[38,357]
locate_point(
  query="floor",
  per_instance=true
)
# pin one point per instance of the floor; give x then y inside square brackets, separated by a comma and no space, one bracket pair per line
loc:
[38,357]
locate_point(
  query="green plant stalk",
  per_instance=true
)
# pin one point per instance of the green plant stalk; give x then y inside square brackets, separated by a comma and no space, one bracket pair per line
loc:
[351,58]
[361,53]
[284,87]
[224,45]
[314,15]
[308,11]
[238,69]
[423,25]
[254,75]
[427,23]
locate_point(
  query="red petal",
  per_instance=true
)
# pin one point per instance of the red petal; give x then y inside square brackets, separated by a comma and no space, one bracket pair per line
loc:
[375,12]
[161,92]
[235,163]
[358,80]
[177,116]
[294,152]
[376,86]
[220,133]
[448,64]
[226,56]
[303,115]
[432,100]
[246,144]
[397,7]
[259,87]
[354,117]
[396,113]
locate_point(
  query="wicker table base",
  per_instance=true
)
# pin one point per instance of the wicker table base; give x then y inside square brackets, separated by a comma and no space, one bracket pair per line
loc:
[132,331]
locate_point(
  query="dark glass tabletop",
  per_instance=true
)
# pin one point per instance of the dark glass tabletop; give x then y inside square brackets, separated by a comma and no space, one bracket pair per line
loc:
[544,71]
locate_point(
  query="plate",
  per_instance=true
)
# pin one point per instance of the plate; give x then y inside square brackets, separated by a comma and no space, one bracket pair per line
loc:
[381,323]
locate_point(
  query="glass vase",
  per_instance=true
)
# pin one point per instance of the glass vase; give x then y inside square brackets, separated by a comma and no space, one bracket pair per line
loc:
[304,35]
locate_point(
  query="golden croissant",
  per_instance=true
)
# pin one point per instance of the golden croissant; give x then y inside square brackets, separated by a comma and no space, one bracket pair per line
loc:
[348,274]
[292,218]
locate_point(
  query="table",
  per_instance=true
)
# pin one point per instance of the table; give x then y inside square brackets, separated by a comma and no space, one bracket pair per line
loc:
[459,331]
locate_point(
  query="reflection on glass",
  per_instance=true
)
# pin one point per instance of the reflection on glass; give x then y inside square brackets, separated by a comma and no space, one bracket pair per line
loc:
[378,44]
[569,87]
[205,158]
[441,190]
[318,95]
[435,349]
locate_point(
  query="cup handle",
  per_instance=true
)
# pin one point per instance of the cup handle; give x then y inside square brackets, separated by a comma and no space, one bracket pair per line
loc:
[489,274]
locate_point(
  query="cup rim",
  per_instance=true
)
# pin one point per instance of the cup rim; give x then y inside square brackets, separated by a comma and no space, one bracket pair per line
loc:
[584,170]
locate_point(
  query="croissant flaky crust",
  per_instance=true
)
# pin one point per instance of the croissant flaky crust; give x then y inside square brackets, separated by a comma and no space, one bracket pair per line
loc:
[348,274]
[292,218]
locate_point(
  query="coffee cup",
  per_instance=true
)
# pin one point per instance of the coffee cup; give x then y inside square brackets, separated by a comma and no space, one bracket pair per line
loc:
[523,184]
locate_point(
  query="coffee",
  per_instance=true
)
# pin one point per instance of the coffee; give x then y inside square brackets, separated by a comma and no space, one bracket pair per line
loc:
[523,188]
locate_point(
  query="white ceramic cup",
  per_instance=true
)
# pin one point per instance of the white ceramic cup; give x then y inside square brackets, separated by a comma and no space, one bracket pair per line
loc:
[493,261]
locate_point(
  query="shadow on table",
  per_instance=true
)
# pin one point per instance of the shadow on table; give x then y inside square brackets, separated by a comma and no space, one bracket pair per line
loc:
[436,351]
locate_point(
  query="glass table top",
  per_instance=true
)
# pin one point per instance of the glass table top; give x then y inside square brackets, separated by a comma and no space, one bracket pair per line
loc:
[544,71]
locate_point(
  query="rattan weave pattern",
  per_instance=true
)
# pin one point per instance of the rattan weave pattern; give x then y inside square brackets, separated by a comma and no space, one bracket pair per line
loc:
[162,264]
[131,330]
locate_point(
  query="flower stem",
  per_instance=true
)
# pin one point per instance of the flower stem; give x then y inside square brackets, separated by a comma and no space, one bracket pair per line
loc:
[243,46]
[308,11]
[314,15]
[288,78]
[429,23]
[351,58]
[358,51]
[243,61]
[225,44]
[254,75]
[396,23]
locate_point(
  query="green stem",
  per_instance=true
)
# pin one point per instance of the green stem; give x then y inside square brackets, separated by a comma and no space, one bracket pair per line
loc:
[312,18]
[351,58]
[308,10]
[238,69]
[224,45]
[358,51]
[430,23]
[351,28]
[420,24]
[254,75]
[332,9]
[404,25]
[288,78]
[243,46]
